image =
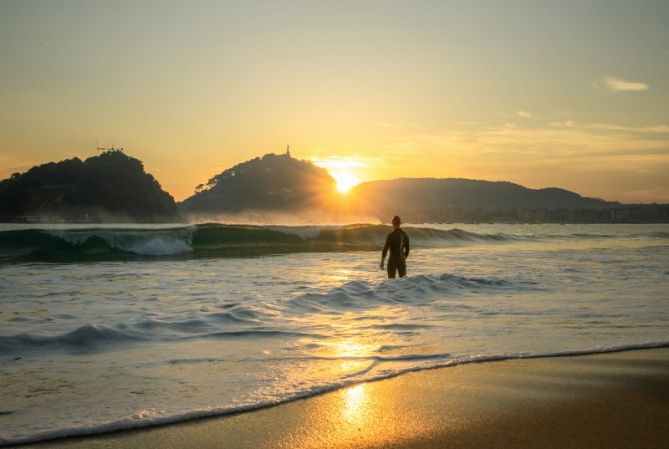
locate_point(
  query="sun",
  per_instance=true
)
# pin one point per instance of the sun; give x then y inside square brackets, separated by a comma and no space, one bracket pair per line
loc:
[345,171]
[345,180]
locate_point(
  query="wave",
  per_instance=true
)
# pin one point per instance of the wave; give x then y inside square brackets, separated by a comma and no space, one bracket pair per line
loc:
[84,338]
[154,418]
[93,243]
[95,338]
[219,240]
[247,321]
[411,289]
[207,240]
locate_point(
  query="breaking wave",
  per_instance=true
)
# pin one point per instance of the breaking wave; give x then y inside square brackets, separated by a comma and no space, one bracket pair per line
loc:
[219,240]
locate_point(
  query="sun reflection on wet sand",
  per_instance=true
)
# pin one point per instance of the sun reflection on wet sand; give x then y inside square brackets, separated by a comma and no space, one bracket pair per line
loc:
[354,404]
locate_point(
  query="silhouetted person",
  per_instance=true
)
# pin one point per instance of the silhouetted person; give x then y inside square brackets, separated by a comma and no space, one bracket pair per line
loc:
[398,244]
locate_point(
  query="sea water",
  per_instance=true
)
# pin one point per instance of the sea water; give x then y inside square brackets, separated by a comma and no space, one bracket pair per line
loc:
[113,327]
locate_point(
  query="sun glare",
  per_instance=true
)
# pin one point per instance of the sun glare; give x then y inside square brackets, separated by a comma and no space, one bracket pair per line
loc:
[344,171]
[345,180]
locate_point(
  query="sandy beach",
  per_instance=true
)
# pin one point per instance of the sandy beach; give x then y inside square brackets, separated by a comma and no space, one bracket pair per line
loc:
[615,400]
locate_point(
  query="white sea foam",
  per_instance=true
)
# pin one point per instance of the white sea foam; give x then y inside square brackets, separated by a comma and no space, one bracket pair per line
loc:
[160,247]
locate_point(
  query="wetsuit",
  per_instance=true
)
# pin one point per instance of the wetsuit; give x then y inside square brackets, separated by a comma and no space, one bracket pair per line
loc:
[398,244]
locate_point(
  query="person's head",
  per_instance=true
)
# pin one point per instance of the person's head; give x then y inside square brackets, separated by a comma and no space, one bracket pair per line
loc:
[396,222]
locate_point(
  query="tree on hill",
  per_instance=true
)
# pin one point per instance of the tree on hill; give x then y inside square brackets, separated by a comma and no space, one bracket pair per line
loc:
[272,182]
[109,186]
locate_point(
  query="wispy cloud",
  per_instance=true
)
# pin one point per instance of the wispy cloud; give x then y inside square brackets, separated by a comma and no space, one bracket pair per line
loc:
[660,129]
[524,114]
[613,84]
[563,124]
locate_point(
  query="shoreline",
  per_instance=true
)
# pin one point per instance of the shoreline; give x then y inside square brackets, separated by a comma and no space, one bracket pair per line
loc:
[460,383]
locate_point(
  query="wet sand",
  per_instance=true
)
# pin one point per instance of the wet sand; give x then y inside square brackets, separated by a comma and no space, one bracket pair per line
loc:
[618,400]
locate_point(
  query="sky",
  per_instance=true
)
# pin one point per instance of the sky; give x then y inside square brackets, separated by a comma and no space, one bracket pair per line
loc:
[573,94]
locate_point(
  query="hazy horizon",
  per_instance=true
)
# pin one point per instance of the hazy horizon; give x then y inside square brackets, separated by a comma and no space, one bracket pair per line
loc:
[542,94]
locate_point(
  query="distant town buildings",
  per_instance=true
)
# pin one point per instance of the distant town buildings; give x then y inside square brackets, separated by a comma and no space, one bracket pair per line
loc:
[628,213]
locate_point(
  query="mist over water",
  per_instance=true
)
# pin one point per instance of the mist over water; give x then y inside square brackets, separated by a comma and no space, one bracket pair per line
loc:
[117,327]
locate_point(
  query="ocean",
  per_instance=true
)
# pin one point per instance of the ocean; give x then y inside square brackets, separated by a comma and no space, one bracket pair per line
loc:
[116,327]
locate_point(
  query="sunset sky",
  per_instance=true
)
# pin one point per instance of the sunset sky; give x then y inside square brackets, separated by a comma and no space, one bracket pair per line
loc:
[572,94]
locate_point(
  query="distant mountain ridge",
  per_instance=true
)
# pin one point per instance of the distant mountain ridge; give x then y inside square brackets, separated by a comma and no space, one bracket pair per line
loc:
[453,199]
[109,187]
[438,193]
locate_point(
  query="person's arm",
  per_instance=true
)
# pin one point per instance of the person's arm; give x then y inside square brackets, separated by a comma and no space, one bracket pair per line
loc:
[406,245]
[385,251]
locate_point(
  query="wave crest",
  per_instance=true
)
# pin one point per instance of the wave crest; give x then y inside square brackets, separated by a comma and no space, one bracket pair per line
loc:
[220,240]
[423,288]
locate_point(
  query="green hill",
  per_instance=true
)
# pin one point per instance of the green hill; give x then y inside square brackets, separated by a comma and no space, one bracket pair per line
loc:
[109,187]
[269,183]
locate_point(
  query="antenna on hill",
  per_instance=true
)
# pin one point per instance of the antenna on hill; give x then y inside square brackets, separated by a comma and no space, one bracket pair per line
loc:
[104,149]
[288,150]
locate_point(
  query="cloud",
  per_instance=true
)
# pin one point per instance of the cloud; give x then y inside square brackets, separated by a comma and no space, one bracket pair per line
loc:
[613,84]
[563,124]
[653,129]
[524,114]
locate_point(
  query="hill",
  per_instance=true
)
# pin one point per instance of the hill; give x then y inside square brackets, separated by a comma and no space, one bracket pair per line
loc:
[109,187]
[269,183]
[280,183]
[430,199]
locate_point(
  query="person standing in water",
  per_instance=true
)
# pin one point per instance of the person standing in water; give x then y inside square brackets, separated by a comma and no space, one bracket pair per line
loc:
[398,244]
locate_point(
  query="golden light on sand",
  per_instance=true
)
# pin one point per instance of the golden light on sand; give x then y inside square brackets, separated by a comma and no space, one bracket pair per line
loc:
[354,402]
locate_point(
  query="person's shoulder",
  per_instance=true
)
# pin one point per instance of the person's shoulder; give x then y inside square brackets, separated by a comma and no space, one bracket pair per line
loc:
[403,232]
